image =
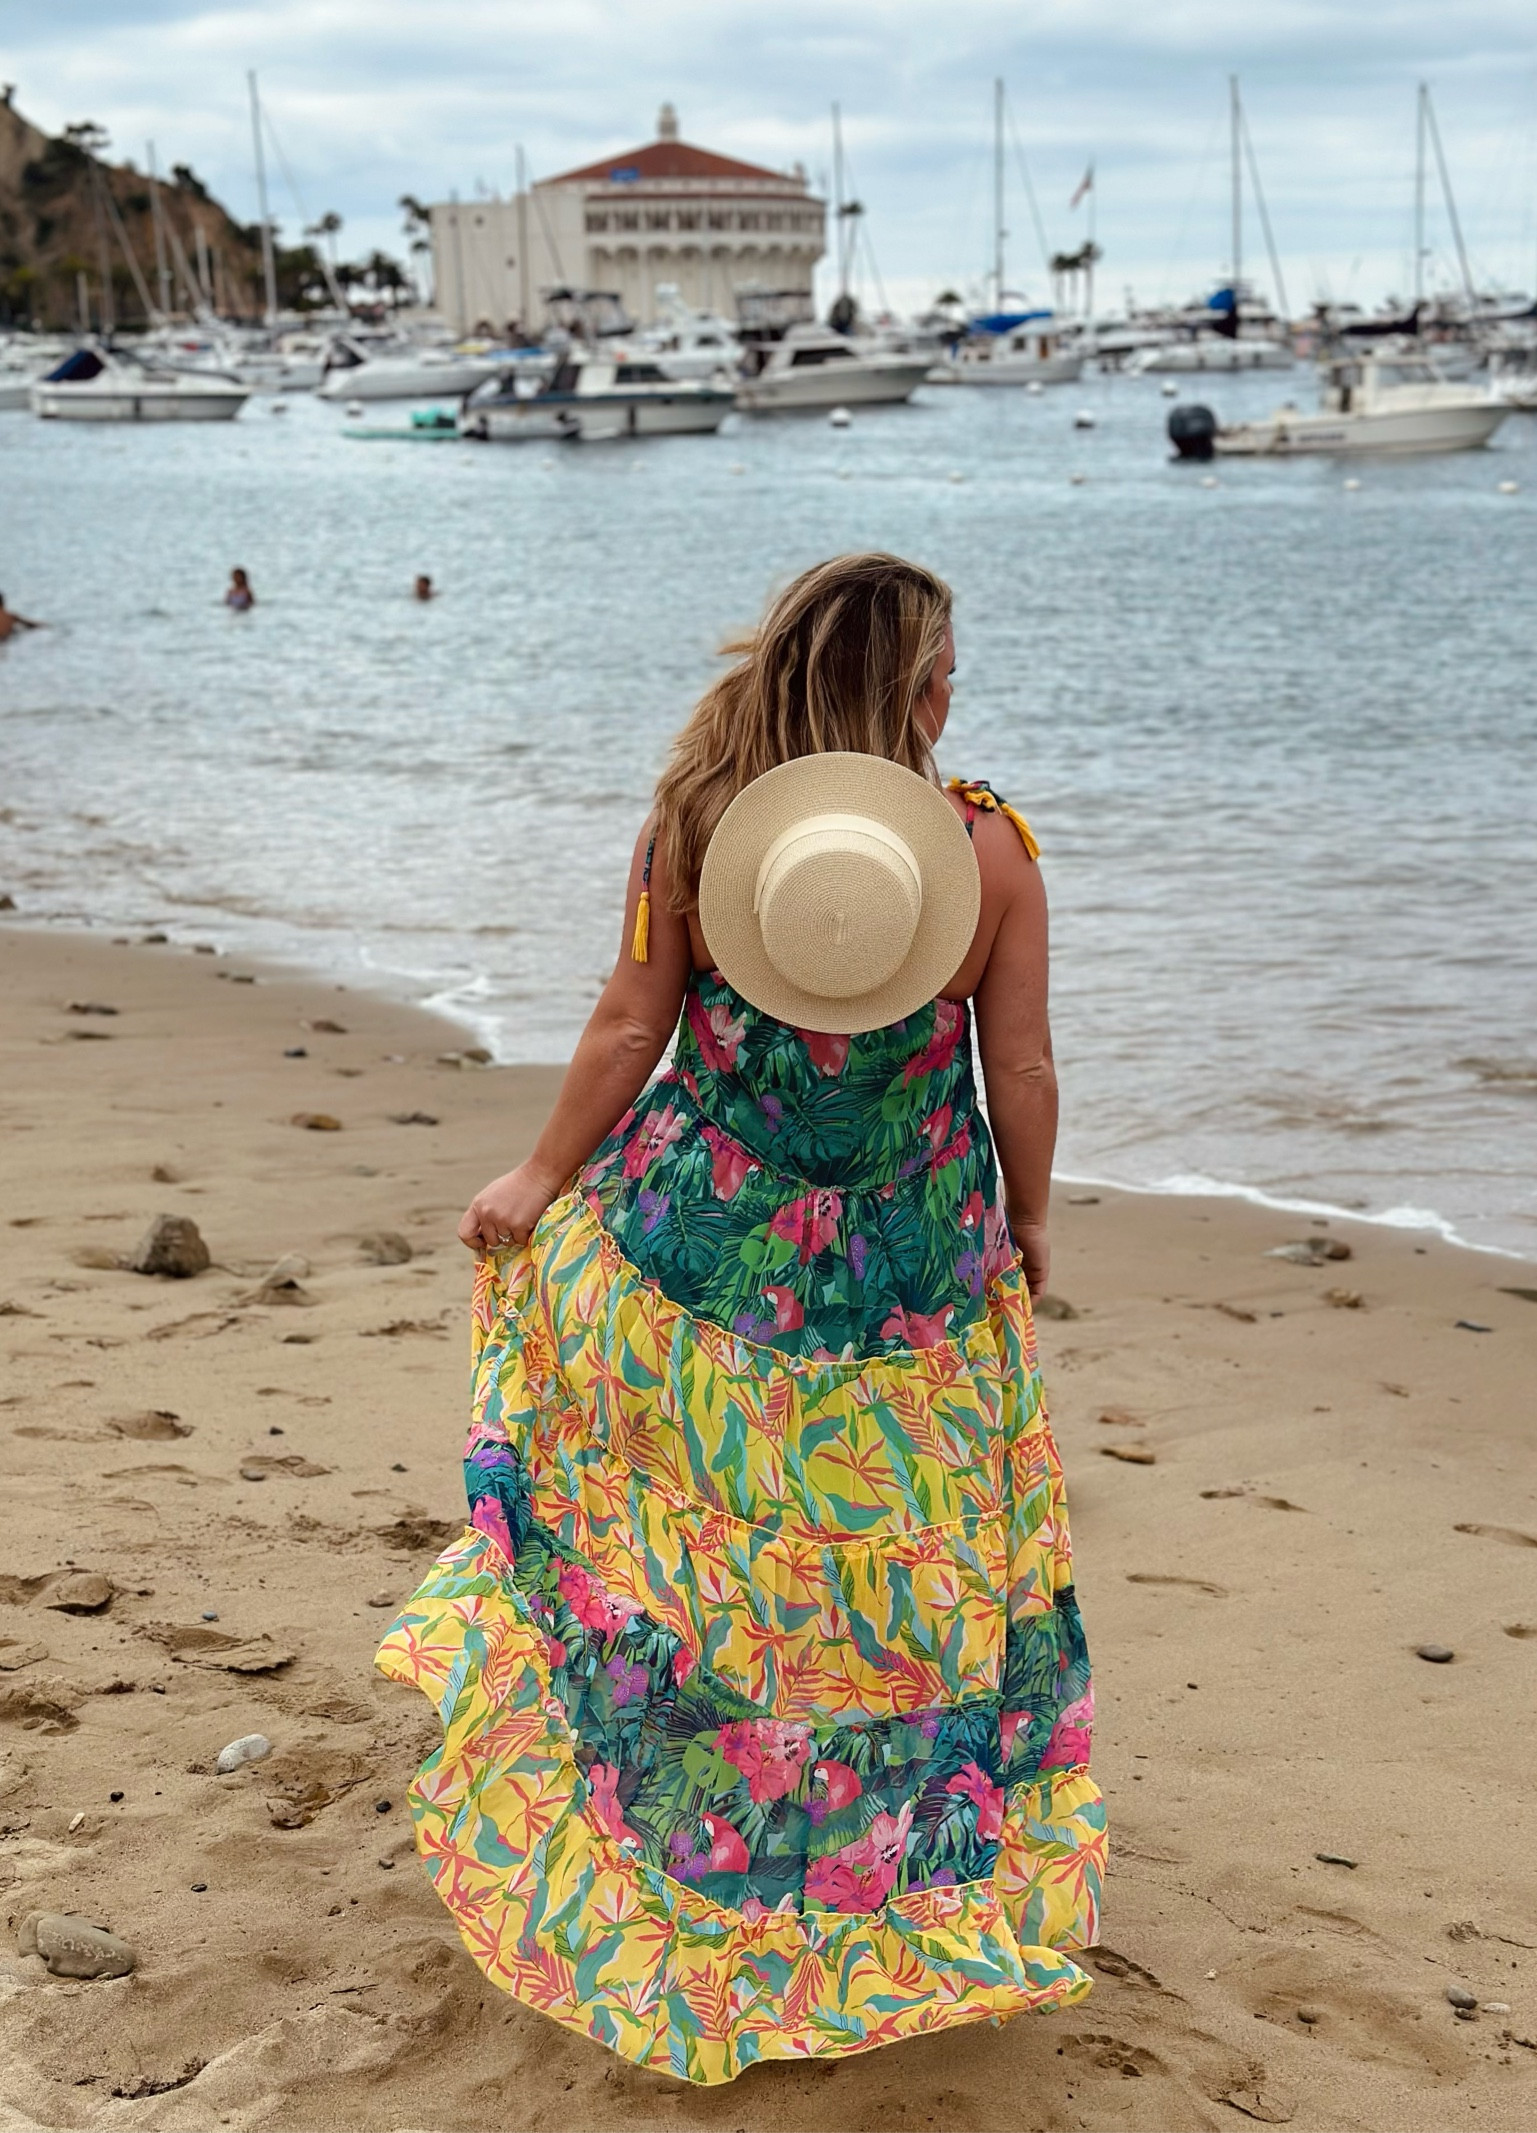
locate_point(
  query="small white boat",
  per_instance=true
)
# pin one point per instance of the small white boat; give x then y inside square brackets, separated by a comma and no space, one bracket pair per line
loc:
[95,385]
[593,398]
[1030,353]
[1398,405]
[406,373]
[685,343]
[812,366]
[1214,352]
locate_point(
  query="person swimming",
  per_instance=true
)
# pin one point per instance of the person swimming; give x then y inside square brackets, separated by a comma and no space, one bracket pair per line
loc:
[239,597]
[10,623]
[424,588]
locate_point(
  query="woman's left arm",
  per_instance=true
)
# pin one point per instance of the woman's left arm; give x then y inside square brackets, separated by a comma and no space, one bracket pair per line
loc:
[626,1035]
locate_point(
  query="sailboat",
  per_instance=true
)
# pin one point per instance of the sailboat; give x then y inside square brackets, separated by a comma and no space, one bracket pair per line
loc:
[1005,347]
[1218,341]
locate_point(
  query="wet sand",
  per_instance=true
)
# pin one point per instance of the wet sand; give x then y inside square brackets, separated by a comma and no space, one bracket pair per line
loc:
[1332,1485]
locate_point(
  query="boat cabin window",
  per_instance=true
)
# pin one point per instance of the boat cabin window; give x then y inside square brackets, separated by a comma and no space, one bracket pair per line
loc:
[1405,374]
[639,374]
[806,358]
[566,375]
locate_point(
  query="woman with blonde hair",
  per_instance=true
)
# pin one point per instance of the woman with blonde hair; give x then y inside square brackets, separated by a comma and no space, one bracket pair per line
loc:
[765,1697]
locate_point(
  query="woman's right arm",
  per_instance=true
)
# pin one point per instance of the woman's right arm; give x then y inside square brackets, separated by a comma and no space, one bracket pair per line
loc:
[1014,1040]
[625,1036]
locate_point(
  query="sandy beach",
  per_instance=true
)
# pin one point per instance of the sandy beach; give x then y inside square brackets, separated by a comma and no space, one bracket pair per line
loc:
[218,1488]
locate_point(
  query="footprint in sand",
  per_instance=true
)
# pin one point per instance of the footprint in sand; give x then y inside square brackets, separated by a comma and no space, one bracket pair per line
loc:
[1153,1577]
[158,1426]
[1507,1536]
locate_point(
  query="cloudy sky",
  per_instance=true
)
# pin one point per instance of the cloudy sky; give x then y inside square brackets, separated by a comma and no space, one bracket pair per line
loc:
[373,98]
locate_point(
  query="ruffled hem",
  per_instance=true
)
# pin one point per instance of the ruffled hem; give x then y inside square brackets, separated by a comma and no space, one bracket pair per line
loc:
[559,1912]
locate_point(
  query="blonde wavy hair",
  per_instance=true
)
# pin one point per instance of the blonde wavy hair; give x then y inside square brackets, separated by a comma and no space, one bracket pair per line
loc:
[839,662]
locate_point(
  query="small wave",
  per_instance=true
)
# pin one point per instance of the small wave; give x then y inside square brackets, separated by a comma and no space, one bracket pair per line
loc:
[1193,1185]
[1502,1073]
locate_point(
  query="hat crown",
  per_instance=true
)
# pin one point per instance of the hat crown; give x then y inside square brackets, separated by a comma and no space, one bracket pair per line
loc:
[838,898]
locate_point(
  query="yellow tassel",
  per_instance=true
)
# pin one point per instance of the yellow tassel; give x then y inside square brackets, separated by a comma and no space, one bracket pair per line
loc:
[984,797]
[640,946]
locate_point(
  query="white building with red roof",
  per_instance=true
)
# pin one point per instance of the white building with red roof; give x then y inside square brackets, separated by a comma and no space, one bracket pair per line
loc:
[665,213]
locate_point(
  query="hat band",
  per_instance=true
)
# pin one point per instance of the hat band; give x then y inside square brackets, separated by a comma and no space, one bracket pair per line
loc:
[834,829]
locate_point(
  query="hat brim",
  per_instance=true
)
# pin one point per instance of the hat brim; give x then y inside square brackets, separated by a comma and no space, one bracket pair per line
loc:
[919,814]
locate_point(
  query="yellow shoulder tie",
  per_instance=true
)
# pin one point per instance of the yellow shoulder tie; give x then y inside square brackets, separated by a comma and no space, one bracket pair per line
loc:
[976,792]
[640,944]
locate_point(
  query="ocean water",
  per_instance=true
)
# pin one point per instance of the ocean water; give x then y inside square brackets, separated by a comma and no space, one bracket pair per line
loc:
[1277,738]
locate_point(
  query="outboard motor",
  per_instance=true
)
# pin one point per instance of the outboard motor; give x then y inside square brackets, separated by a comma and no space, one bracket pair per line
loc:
[1193,432]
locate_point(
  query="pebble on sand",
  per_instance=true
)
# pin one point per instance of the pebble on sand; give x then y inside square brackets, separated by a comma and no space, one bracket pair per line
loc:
[1459,1996]
[173,1244]
[74,1947]
[316,1122]
[1437,1654]
[1132,1454]
[81,1592]
[1335,1859]
[250,1748]
[1310,2015]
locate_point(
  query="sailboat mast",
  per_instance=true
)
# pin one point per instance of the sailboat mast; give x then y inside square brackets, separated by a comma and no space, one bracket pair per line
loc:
[1419,196]
[156,216]
[1433,128]
[524,320]
[1236,115]
[269,271]
[999,233]
[840,220]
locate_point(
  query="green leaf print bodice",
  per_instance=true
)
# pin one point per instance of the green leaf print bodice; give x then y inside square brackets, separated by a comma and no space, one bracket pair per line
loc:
[822,1195]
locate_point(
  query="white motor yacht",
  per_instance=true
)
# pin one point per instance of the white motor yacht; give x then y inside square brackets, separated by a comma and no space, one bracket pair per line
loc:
[814,367]
[685,343]
[1368,403]
[96,385]
[1030,352]
[406,373]
[594,397]
[1215,352]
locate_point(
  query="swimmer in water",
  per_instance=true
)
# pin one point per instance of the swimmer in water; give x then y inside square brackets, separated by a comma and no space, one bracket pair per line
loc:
[10,623]
[423,588]
[239,598]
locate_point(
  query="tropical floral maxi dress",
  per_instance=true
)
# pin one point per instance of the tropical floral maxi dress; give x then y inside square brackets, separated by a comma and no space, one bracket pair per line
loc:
[764,1694]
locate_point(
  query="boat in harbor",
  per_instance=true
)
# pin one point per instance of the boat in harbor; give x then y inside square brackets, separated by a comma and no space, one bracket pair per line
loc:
[1023,349]
[1213,349]
[685,343]
[591,398]
[353,372]
[98,385]
[1372,403]
[814,367]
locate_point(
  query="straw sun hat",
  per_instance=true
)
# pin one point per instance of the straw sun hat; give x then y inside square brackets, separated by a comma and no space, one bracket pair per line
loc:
[839,892]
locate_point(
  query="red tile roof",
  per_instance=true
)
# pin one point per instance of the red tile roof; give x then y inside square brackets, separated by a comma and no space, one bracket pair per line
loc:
[665,159]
